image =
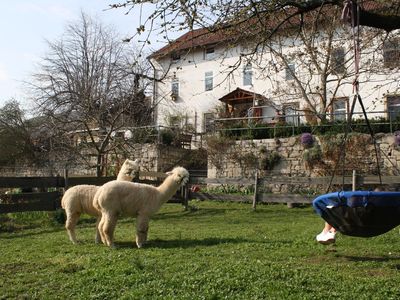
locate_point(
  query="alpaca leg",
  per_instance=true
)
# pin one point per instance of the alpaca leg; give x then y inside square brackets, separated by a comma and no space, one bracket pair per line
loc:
[142,227]
[98,235]
[100,229]
[110,222]
[70,224]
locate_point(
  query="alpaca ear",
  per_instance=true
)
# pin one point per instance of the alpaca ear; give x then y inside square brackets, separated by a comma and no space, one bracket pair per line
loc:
[136,160]
[169,173]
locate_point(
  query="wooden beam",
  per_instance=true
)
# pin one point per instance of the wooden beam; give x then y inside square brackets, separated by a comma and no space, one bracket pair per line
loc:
[40,205]
[38,182]
[285,198]
[203,180]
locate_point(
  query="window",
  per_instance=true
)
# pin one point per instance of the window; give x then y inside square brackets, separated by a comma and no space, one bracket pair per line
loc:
[291,114]
[289,71]
[209,53]
[393,106]
[391,53]
[338,60]
[175,56]
[208,81]
[248,75]
[339,109]
[175,88]
[208,122]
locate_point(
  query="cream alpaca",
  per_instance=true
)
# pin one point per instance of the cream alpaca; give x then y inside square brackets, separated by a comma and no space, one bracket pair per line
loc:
[79,199]
[117,198]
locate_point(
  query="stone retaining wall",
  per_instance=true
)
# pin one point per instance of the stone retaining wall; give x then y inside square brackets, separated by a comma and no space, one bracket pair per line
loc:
[232,163]
[157,158]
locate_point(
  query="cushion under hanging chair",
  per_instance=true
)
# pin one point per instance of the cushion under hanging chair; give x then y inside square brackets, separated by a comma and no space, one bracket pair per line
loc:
[360,213]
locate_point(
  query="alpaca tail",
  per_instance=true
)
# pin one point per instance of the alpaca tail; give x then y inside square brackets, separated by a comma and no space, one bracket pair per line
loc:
[63,201]
[96,200]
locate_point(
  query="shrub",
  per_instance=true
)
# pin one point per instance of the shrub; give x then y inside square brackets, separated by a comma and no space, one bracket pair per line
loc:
[269,159]
[167,136]
[312,155]
[241,130]
[307,140]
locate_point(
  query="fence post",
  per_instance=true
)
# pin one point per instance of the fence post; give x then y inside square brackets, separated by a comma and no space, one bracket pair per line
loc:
[354,181]
[186,197]
[255,189]
[158,134]
[65,179]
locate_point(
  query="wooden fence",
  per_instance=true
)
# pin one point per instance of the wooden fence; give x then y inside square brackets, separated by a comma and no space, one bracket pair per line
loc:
[261,184]
[44,193]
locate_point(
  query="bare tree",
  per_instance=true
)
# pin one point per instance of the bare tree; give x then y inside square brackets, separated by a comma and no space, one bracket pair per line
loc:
[16,136]
[90,85]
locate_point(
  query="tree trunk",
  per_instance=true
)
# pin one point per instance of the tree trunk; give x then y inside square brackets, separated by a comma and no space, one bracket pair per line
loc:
[99,165]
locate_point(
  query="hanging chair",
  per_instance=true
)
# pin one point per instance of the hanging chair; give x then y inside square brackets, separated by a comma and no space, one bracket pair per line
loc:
[360,213]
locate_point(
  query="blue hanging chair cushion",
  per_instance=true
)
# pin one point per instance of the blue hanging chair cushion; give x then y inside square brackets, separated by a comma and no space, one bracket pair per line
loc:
[360,213]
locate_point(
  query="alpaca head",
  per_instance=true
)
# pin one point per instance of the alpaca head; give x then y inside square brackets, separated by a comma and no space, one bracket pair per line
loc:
[130,168]
[179,175]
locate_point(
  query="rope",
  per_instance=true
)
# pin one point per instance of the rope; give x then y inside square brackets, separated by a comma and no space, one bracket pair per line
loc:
[351,15]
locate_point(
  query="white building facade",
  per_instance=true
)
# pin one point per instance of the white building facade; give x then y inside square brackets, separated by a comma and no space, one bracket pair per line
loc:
[308,76]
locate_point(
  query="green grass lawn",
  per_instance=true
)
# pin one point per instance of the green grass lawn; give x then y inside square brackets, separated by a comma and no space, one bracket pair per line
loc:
[214,251]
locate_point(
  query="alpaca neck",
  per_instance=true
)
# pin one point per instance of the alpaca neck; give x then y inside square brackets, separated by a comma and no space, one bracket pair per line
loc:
[123,177]
[167,189]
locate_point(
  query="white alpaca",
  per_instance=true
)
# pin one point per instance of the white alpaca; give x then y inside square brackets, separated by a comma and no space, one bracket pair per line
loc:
[116,198]
[79,199]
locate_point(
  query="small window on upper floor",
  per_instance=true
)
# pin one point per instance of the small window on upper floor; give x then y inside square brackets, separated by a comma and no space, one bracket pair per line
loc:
[209,53]
[393,106]
[208,81]
[339,109]
[338,61]
[175,89]
[248,75]
[391,53]
[290,71]
[175,56]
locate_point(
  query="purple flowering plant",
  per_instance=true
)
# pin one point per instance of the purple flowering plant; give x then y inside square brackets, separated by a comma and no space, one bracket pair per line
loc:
[306,139]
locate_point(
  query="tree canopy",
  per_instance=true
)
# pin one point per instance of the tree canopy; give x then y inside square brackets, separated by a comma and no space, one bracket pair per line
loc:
[171,16]
[19,143]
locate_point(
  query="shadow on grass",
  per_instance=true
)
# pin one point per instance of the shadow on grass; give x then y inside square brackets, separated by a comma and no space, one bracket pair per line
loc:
[191,212]
[17,231]
[190,243]
[19,234]
[369,258]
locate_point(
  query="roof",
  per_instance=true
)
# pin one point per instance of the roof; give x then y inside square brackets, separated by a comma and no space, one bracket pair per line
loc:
[193,39]
[242,96]
[204,37]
